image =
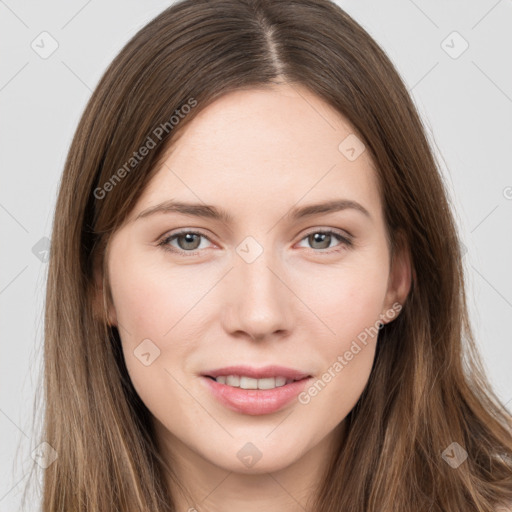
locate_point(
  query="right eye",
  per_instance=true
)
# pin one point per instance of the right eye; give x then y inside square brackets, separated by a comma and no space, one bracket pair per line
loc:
[187,242]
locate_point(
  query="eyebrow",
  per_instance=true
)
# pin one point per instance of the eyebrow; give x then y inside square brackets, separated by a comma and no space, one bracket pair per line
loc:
[212,212]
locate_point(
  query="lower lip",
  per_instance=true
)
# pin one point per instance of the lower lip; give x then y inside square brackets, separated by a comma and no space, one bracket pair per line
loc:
[255,401]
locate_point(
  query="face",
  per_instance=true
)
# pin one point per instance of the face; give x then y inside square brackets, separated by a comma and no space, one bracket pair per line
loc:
[273,282]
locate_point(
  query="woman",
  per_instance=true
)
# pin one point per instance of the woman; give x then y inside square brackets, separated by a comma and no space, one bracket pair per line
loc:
[255,296]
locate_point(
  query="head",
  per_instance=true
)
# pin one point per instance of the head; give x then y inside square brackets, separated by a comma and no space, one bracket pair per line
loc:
[256,287]
[222,121]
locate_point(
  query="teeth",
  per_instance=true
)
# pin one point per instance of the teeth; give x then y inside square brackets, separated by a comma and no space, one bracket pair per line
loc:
[281,381]
[233,380]
[248,383]
[240,381]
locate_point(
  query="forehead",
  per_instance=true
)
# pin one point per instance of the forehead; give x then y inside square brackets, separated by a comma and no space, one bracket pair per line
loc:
[264,148]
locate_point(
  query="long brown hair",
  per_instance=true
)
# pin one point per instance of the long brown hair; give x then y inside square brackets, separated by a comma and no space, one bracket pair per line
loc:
[427,389]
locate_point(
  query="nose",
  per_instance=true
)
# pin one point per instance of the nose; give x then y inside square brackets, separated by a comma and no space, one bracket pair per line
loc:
[259,300]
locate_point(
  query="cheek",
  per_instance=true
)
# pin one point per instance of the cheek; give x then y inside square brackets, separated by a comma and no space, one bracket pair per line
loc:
[155,346]
[349,303]
[346,299]
[150,302]
[149,309]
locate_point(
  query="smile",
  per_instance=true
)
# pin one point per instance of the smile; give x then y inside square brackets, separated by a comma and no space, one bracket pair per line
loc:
[244,382]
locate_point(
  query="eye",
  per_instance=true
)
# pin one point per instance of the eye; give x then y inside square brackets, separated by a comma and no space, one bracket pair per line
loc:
[188,241]
[321,239]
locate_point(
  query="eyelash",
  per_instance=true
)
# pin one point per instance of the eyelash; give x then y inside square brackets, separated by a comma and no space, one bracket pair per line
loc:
[346,242]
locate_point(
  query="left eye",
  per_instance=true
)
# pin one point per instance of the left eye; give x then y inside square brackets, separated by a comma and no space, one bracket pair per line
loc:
[324,239]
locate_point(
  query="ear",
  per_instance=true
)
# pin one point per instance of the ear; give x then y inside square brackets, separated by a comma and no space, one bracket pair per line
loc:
[400,278]
[102,301]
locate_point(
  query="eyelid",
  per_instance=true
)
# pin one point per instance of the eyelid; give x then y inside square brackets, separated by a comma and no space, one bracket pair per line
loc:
[341,232]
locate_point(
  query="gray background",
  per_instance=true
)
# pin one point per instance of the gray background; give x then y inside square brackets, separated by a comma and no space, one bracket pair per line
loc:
[464,98]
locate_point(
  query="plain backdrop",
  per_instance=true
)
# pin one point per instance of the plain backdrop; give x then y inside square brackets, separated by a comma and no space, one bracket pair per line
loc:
[455,58]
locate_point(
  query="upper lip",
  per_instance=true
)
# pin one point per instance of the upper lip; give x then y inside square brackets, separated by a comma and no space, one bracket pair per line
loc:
[258,373]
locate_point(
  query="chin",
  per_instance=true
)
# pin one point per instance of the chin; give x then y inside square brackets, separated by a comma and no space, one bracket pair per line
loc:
[258,456]
[260,467]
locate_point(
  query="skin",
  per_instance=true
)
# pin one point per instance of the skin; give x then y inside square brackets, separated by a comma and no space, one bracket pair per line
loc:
[300,303]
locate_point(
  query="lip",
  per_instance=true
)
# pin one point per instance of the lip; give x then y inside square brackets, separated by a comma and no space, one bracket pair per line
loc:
[258,373]
[256,402]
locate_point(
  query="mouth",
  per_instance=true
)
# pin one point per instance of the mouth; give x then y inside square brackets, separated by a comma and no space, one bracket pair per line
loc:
[255,391]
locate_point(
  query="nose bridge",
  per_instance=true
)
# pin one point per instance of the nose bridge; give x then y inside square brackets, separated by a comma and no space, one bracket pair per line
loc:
[260,305]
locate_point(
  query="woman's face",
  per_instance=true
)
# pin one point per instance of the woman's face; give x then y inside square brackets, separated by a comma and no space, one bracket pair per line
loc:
[256,282]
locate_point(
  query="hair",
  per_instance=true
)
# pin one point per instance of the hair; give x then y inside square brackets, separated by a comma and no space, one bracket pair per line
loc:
[427,388]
